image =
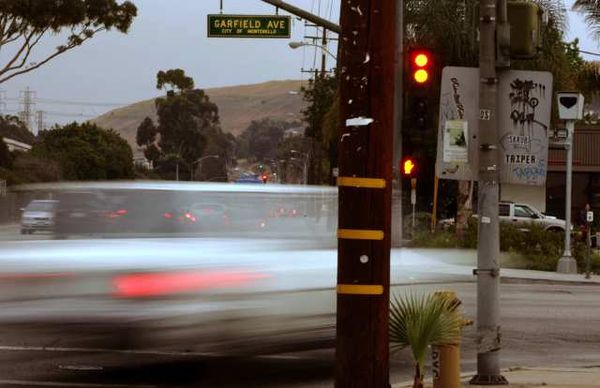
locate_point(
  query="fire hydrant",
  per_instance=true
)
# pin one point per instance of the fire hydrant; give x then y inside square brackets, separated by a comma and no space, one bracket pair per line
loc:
[446,357]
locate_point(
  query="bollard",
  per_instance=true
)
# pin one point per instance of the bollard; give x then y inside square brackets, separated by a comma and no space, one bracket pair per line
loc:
[446,357]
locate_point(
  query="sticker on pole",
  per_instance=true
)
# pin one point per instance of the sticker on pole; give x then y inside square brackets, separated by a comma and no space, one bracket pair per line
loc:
[485,114]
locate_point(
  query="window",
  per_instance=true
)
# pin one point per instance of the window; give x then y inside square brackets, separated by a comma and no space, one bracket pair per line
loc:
[523,211]
[504,210]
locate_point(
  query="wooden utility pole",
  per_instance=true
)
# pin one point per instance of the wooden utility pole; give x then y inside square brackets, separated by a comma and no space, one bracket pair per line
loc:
[365,161]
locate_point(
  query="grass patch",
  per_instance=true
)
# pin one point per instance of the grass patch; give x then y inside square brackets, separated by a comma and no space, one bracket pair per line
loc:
[533,248]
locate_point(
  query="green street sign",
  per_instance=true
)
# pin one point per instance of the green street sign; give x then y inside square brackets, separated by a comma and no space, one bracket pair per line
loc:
[248,26]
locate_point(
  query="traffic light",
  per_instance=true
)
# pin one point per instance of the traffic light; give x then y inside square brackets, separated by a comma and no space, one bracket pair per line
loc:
[421,112]
[420,73]
[264,178]
[420,67]
[409,167]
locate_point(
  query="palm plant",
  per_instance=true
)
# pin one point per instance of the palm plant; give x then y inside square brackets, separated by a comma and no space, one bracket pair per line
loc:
[422,321]
[591,10]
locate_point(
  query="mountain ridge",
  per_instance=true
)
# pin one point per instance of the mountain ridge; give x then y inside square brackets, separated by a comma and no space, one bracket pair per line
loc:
[238,107]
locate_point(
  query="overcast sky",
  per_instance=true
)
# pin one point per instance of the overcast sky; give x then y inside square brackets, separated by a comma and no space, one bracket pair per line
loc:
[117,68]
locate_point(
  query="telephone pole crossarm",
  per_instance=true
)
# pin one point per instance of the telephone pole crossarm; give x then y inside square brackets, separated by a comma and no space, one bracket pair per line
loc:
[305,15]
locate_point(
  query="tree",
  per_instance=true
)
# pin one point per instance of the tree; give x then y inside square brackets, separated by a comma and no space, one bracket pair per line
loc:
[260,140]
[5,157]
[320,96]
[86,152]
[176,78]
[420,322]
[187,122]
[591,10]
[13,128]
[25,23]
[29,168]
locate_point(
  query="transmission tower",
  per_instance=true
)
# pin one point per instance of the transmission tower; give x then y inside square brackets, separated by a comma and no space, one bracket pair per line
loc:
[2,101]
[41,124]
[27,101]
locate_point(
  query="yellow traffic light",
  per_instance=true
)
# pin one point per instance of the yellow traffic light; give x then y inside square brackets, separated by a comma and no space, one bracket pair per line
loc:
[421,60]
[421,76]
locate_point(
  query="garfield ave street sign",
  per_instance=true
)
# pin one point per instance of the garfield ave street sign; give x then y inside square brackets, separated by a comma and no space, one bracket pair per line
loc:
[248,26]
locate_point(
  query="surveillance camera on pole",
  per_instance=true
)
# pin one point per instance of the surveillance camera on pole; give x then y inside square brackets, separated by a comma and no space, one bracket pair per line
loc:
[570,109]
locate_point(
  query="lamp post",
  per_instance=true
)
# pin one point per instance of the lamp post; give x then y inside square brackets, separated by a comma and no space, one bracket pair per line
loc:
[295,45]
[200,163]
[305,161]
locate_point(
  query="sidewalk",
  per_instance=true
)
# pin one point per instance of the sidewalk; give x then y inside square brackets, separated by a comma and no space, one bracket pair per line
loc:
[516,275]
[538,377]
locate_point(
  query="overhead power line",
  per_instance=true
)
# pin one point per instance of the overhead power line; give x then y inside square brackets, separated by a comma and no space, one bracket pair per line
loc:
[67,102]
[589,53]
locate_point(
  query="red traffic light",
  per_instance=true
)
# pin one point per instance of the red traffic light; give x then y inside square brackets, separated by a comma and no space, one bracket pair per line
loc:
[420,66]
[408,167]
[264,178]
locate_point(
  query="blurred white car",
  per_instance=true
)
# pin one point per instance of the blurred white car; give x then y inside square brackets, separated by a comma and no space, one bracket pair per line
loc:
[38,215]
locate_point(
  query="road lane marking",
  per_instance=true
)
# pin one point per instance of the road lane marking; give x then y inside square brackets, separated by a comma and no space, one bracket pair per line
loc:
[102,350]
[148,352]
[82,368]
[32,383]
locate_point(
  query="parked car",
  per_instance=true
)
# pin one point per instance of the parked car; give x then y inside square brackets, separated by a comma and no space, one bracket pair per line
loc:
[38,215]
[521,215]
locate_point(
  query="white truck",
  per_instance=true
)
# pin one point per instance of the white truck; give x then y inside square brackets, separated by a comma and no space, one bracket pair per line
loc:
[521,214]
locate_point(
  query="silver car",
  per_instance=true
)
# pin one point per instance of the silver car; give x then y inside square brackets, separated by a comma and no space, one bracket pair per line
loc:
[39,215]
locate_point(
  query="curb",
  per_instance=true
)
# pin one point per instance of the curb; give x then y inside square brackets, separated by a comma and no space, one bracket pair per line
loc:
[574,282]
[466,376]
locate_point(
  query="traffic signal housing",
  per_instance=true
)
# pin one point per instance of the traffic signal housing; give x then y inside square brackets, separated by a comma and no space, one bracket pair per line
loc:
[420,67]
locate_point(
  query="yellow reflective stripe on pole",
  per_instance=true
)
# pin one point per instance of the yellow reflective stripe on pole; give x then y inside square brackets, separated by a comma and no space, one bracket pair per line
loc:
[360,234]
[367,183]
[359,289]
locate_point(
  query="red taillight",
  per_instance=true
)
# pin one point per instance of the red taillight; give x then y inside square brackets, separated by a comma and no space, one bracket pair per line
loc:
[166,283]
[118,213]
[168,215]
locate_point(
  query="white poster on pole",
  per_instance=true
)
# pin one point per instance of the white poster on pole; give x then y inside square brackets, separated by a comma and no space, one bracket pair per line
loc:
[459,100]
[456,141]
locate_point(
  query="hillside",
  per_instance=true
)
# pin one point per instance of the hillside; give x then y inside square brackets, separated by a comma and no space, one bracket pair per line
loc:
[238,106]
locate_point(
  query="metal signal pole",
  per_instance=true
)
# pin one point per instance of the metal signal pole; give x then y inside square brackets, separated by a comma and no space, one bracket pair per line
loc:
[488,244]
[365,164]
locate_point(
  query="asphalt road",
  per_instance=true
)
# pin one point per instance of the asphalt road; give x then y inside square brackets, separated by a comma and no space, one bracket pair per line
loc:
[12,232]
[542,325]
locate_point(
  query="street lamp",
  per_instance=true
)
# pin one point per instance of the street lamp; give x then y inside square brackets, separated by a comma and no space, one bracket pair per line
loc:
[305,161]
[200,161]
[295,45]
